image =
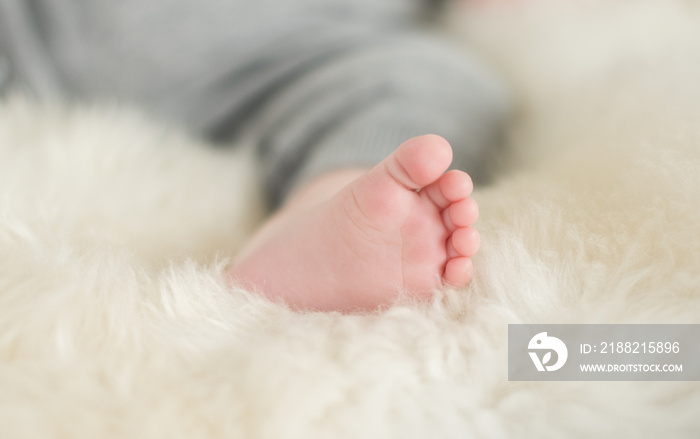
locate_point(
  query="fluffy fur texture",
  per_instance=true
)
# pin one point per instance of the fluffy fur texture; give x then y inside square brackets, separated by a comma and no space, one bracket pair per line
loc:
[115,320]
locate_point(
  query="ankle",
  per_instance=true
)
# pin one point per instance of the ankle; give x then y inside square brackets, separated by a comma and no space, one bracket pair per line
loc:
[320,189]
[299,202]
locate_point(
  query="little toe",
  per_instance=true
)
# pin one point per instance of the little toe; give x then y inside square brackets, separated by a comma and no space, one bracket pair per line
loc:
[458,271]
[465,241]
[462,213]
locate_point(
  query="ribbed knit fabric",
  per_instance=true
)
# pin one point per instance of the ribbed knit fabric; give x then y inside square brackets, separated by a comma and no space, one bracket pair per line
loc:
[313,84]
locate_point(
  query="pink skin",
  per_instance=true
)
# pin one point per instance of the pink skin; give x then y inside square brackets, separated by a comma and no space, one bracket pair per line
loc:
[352,240]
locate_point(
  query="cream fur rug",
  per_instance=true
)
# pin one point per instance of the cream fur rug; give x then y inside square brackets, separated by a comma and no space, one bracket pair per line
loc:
[115,321]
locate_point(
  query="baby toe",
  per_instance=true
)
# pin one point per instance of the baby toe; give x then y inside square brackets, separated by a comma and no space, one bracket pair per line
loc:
[458,271]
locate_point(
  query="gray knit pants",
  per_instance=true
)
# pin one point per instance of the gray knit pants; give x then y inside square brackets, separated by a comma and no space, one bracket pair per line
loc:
[315,84]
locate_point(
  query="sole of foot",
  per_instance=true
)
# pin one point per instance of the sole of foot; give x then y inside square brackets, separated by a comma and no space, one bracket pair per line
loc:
[402,227]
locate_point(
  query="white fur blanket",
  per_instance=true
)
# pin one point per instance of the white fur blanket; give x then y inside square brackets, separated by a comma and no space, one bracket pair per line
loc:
[115,321]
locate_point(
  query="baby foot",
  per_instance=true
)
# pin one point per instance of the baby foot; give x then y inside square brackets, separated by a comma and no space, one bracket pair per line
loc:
[403,225]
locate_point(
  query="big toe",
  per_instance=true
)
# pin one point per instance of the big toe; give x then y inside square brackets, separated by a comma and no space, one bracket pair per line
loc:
[419,161]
